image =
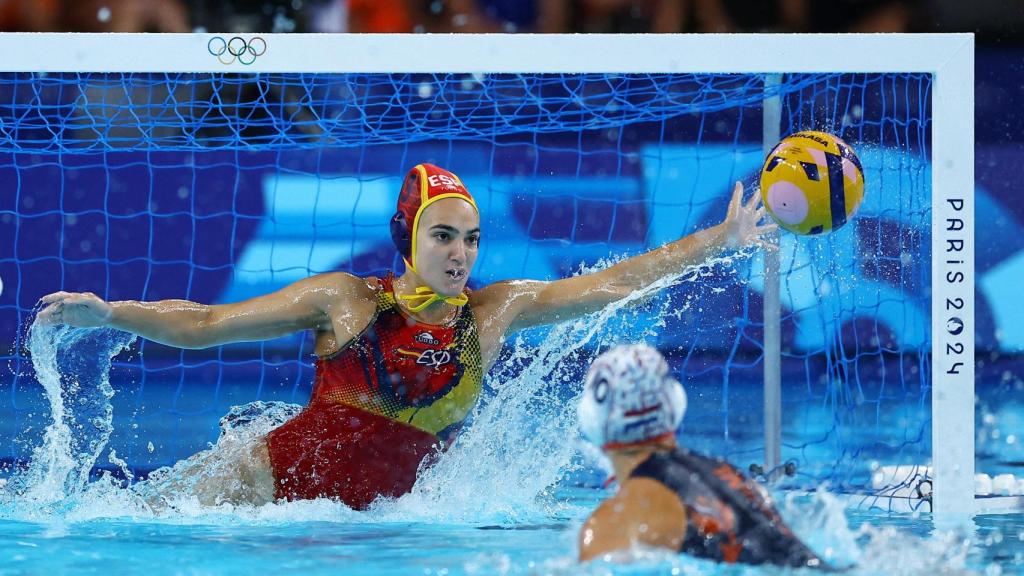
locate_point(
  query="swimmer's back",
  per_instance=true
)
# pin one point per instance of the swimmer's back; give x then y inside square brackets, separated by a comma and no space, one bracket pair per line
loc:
[729,517]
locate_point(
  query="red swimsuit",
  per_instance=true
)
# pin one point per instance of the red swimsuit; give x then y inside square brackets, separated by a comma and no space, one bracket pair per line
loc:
[393,396]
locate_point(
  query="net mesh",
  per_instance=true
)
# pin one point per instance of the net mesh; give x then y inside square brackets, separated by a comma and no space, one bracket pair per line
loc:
[220,187]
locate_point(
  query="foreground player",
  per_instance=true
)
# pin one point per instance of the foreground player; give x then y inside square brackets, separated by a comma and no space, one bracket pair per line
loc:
[668,496]
[400,360]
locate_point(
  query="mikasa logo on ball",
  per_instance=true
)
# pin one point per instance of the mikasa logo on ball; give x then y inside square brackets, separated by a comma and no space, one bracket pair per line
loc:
[812,136]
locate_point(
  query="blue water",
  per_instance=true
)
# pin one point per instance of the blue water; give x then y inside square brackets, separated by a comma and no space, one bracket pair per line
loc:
[124,546]
[270,540]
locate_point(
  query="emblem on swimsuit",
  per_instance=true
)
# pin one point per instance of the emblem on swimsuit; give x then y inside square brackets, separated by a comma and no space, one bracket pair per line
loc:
[426,338]
[434,358]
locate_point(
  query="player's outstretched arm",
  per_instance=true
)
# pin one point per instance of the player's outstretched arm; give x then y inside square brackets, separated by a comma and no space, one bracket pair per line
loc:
[184,324]
[536,303]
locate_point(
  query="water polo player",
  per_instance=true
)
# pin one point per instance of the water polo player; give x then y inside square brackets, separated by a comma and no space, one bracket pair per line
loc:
[400,359]
[670,497]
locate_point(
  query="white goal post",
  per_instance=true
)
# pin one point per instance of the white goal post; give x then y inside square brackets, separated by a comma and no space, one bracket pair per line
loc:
[948,57]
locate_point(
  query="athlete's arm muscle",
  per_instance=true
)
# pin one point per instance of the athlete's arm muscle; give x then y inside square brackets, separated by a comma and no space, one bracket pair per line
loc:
[303,305]
[643,512]
[532,303]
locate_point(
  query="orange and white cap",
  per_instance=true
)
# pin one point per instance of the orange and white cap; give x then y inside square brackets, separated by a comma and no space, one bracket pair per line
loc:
[630,398]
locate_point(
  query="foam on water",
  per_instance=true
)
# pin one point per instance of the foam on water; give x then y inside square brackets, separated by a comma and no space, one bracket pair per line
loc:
[820,520]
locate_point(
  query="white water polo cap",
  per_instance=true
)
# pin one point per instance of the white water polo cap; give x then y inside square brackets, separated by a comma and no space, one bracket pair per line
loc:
[630,398]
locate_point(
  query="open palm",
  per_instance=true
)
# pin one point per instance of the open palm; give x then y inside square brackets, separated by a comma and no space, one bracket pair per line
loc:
[743,222]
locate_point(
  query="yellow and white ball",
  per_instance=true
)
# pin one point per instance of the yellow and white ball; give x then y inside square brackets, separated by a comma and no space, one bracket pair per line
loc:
[812,183]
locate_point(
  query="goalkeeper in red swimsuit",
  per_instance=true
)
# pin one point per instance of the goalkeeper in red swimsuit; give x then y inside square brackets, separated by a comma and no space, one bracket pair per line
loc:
[400,359]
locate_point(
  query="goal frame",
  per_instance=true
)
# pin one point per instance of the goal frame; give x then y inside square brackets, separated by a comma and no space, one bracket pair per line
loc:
[948,57]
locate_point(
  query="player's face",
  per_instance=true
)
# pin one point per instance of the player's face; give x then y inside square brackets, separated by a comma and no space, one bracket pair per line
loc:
[447,238]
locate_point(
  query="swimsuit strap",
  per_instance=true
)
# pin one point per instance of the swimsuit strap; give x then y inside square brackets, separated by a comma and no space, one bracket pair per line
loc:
[385,293]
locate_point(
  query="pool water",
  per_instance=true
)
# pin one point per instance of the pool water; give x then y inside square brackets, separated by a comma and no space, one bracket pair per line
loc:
[324,538]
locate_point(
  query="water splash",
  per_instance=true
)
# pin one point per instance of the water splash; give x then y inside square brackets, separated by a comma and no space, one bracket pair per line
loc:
[523,440]
[502,469]
[821,520]
[73,367]
[222,473]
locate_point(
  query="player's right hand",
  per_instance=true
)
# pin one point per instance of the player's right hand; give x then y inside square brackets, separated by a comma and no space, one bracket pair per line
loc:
[79,309]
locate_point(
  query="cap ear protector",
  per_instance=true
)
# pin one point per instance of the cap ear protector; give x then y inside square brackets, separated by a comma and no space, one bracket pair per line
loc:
[629,398]
[401,235]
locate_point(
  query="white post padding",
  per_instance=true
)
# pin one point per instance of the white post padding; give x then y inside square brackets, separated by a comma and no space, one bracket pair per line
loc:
[953,283]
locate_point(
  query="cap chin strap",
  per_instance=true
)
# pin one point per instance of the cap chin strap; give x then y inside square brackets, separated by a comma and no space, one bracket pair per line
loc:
[428,296]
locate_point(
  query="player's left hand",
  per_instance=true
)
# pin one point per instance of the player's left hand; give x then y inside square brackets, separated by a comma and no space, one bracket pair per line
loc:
[83,310]
[744,222]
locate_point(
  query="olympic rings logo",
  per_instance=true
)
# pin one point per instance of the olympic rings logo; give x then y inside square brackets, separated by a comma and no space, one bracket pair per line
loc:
[237,48]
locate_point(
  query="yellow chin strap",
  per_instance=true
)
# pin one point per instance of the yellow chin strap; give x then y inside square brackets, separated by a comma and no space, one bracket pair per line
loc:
[428,297]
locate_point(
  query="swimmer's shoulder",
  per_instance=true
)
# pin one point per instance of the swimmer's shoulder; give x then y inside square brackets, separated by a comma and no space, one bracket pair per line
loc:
[651,498]
[643,511]
[342,287]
